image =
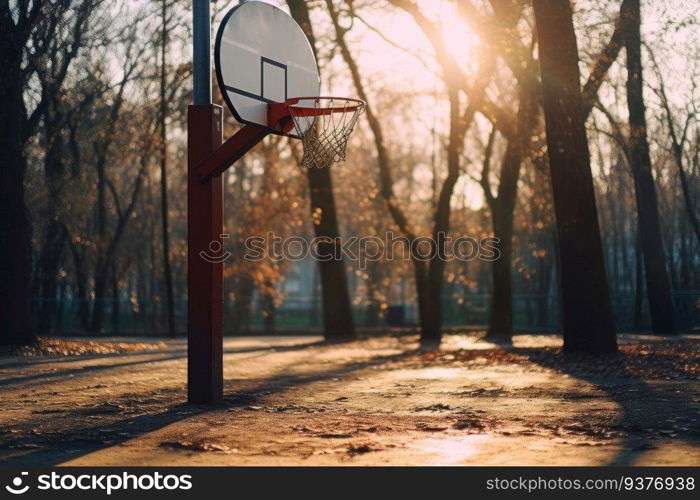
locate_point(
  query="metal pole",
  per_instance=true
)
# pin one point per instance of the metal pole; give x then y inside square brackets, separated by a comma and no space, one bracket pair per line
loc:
[205,279]
[201,55]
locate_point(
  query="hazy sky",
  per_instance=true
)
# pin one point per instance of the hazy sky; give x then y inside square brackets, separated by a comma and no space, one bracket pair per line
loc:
[401,61]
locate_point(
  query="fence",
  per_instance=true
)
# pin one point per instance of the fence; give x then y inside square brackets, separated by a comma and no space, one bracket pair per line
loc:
[531,312]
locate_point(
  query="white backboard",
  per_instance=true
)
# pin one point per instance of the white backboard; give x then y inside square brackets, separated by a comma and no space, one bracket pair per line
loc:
[262,56]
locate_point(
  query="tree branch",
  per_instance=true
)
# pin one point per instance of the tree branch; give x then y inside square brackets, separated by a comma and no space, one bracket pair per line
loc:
[603,62]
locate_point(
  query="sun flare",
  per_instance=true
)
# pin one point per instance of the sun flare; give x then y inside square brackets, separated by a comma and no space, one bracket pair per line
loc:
[461,42]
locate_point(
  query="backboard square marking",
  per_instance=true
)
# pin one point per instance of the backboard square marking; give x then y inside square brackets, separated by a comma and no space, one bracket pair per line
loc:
[273,80]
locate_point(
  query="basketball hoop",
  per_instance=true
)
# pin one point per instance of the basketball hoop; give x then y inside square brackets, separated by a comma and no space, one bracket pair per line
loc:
[324,125]
[262,57]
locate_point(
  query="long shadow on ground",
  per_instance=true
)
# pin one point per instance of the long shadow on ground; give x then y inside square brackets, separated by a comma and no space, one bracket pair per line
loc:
[646,383]
[59,447]
[154,356]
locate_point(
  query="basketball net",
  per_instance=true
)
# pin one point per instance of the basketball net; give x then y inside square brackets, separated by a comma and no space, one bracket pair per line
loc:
[324,125]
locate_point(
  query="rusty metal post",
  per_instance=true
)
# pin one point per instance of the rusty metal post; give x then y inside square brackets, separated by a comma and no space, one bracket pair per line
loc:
[204,278]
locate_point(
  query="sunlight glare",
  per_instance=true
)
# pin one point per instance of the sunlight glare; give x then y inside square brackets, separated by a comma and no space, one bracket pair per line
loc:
[460,40]
[451,451]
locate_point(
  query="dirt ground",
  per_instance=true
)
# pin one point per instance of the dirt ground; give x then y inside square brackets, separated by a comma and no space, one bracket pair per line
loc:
[377,401]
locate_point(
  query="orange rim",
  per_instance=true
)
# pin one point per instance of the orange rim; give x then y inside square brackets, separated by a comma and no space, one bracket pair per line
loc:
[296,110]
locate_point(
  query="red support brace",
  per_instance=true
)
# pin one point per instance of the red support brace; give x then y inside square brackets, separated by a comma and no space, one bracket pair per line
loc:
[230,151]
[207,159]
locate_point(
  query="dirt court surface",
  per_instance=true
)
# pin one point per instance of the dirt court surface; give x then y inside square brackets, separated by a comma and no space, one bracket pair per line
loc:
[377,401]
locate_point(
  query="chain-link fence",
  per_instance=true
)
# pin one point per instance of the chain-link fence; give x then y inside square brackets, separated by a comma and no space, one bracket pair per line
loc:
[531,312]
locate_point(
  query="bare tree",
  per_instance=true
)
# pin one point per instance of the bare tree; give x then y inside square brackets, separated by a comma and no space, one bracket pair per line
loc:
[55,45]
[500,32]
[15,227]
[604,60]
[678,141]
[429,275]
[55,38]
[657,280]
[338,322]
[102,145]
[165,230]
[587,310]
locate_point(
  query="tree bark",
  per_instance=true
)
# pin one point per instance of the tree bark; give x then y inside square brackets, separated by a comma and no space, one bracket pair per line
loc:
[424,299]
[501,313]
[544,281]
[386,181]
[101,263]
[685,188]
[587,310]
[269,309]
[115,300]
[335,298]
[506,15]
[54,234]
[657,279]
[100,290]
[82,285]
[243,305]
[373,304]
[313,310]
[49,261]
[167,271]
[107,249]
[15,226]
[441,227]
[502,207]
[638,283]
[603,62]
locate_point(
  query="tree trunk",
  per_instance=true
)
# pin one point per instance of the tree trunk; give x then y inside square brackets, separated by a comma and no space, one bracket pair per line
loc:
[544,281]
[107,249]
[167,272]
[49,261]
[502,208]
[373,305]
[587,310]
[101,277]
[685,256]
[81,283]
[429,327]
[58,325]
[687,196]
[501,315]
[432,333]
[55,233]
[371,311]
[115,301]
[141,287]
[638,282]
[243,306]
[101,266]
[335,298]
[313,310]
[269,311]
[15,226]
[154,319]
[657,280]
